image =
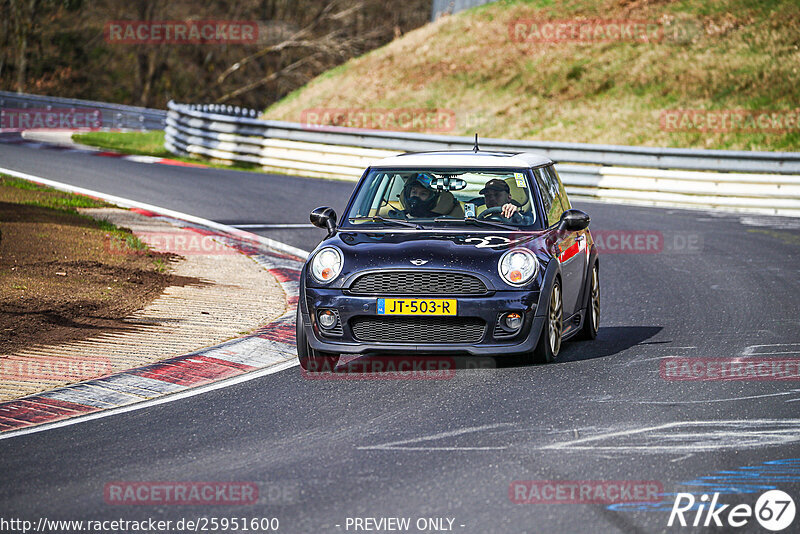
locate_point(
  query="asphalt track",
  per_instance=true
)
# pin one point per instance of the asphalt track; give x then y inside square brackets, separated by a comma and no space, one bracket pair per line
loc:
[322,451]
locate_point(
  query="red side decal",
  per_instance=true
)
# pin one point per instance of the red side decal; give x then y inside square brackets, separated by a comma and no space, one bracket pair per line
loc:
[570,252]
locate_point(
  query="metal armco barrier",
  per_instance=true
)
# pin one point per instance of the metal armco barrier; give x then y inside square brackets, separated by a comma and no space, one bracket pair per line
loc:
[113,116]
[755,182]
[450,7]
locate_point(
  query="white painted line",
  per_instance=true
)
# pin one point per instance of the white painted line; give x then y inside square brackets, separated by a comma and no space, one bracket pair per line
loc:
[142,159]
[751,350]
[268,226]
[643,360]
[397,445]
[153,402]
[705,401]
[430,449]
[126,203]
[735,434]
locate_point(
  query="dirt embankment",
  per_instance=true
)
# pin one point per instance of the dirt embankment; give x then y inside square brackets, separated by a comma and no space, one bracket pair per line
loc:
[60,278]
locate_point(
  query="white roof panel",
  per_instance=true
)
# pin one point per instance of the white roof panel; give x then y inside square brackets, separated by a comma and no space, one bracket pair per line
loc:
[465,159]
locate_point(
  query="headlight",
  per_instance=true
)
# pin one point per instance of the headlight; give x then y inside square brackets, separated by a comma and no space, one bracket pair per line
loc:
[327,264]
[518,266]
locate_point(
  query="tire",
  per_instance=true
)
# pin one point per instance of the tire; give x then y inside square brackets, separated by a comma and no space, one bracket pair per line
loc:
[591,320]
[312,360]
[550,339]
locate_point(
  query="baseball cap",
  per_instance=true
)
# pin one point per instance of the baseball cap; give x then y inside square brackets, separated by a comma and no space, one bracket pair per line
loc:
[495,184]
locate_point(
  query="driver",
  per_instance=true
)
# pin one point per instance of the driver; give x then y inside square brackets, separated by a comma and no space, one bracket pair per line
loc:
[497,194]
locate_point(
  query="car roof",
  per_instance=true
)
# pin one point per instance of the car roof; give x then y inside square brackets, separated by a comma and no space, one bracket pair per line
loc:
[465,159]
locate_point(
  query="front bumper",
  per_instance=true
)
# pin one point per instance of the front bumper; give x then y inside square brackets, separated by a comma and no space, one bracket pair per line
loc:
[487,308]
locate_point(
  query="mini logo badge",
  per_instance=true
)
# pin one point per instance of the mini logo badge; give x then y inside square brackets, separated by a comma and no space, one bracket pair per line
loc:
[419,262]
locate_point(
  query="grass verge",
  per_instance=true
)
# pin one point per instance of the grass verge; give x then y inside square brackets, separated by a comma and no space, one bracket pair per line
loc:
[149,143]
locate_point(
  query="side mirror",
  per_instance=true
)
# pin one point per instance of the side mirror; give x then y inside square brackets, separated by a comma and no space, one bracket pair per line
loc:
[574,221]
[325,218]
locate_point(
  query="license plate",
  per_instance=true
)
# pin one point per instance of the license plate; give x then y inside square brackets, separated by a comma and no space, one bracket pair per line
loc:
[417,306]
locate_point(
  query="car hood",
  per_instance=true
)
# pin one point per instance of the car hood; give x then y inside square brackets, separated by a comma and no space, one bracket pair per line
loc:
[476,252]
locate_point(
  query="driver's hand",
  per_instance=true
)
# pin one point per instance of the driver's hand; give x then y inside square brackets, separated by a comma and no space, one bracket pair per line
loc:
[509,210]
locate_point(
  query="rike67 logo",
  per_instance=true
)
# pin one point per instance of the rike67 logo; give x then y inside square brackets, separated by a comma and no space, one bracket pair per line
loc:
[774,510]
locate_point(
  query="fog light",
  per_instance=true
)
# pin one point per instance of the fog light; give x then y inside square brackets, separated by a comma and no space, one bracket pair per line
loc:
[327,318]
[513,320]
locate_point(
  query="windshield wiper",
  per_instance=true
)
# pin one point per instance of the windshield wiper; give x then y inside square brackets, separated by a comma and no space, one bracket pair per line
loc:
[477,222]
[378,218]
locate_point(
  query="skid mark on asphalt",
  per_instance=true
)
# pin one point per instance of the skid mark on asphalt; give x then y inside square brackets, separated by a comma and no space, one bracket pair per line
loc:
[689,437]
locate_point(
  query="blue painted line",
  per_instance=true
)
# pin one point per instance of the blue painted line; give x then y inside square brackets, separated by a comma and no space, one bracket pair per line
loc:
[774,474]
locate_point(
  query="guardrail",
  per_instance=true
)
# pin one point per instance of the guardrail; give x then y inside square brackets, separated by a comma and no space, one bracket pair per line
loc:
[112,116]
[450,7]
[759,182]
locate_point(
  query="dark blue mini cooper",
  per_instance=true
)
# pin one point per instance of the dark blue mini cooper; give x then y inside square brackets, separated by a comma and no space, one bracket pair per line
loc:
[450,253]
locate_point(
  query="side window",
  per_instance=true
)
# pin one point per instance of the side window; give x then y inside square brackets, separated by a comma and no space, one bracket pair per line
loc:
[552,184]
[552,206]
[562,193]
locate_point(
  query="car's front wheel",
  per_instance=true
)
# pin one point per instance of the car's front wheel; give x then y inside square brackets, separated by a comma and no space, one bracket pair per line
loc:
[550,339]
[312,360]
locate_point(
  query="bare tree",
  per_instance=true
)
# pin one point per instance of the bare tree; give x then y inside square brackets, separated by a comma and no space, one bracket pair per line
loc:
[23,12]
[50,46]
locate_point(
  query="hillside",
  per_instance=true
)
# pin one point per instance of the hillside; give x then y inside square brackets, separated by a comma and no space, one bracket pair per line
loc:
[493,69]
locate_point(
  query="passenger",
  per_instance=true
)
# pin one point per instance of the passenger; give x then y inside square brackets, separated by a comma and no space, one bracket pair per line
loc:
[419,199]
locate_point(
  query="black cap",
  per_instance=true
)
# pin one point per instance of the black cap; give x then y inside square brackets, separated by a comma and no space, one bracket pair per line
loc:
[495,184]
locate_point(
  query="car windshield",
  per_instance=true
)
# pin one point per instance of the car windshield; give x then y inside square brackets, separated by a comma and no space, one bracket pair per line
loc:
[475,197]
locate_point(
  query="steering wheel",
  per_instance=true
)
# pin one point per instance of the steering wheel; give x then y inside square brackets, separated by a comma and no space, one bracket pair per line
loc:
[397,214]
[497,213]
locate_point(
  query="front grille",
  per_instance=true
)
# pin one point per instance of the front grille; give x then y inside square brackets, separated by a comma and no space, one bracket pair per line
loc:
[418,329]
[418,283]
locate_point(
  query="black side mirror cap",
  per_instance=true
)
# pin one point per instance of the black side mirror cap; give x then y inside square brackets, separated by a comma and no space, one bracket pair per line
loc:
[574,221]
[325,218]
